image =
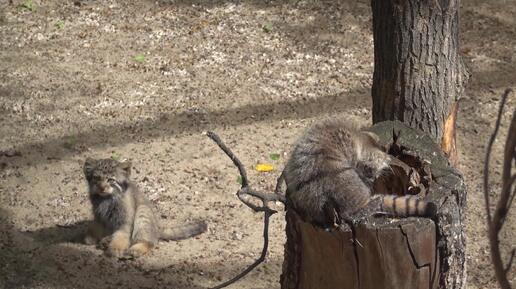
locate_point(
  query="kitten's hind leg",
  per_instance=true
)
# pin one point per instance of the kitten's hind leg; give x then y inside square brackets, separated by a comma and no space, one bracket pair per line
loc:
[372,209]
[332,218]
[140,249]
[145,231]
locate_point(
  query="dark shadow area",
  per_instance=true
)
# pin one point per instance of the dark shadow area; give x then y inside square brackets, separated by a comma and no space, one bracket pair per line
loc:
[46,258]
[171,124]
[72,233]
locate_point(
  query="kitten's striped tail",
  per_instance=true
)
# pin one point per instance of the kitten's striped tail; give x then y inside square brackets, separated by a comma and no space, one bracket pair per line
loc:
[184,231]
[406,206]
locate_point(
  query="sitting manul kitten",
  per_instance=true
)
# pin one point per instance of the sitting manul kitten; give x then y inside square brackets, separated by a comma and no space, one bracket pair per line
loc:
[123,214]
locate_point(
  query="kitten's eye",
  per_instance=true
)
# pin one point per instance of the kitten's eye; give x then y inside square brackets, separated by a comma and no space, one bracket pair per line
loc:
[111,181]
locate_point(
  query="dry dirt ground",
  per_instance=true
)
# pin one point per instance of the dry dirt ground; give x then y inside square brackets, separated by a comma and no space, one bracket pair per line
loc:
[143,80]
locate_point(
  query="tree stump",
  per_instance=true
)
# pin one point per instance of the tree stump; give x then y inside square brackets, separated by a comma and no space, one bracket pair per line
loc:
[380,252]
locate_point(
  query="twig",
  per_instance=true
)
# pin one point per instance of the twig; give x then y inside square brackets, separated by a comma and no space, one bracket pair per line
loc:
[495,223]
[229,153]
[241,193]
[258,261]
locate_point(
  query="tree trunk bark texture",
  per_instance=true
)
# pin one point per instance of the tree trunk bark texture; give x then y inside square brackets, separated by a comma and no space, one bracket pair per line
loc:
[385,253]
[418,71]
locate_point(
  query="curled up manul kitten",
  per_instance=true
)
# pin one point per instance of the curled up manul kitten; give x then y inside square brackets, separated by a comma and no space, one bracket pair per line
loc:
[330,176]
[123,215]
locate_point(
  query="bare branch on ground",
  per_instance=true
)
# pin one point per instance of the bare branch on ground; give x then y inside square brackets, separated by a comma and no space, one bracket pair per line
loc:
[242,194]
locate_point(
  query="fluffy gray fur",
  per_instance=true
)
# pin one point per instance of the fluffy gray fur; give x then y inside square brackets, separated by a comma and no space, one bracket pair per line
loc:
[332,169]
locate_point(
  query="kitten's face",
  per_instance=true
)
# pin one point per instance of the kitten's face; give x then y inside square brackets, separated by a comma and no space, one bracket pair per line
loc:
[106,176]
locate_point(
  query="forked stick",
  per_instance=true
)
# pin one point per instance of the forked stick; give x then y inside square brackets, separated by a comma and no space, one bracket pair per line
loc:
[241,193]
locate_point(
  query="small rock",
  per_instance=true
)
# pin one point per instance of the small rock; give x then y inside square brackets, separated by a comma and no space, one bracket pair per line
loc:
[237,235]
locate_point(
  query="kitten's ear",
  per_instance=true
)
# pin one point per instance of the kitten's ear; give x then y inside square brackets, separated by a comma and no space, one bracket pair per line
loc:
[126,166]
[374,140]
[89,163]
[372,135]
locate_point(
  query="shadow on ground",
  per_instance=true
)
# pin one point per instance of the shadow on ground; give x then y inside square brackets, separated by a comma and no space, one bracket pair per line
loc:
[172,124]
[47,258]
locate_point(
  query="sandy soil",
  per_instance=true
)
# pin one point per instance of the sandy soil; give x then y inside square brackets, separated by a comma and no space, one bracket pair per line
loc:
[142,81]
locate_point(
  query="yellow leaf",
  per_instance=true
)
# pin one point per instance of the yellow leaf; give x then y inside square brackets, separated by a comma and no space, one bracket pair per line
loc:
[264,167]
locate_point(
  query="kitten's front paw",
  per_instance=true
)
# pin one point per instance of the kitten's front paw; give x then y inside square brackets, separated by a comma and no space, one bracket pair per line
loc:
[118,246]
[116,251]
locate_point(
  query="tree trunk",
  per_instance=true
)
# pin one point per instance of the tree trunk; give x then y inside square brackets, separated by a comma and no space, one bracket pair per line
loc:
[418,78]
[418,72]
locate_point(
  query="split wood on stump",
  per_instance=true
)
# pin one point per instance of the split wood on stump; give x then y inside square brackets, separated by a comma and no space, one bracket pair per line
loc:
[418,79]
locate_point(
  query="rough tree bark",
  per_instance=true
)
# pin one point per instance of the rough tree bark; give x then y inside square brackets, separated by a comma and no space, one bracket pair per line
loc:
[418,71]
[418,78]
